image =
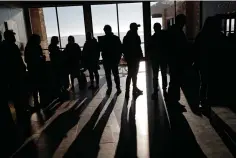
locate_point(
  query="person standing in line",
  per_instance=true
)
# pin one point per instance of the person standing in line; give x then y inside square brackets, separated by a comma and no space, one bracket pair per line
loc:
[14,75]
[35,62]
[74,58]
[91,55]
[176,57]
[55,60]
[111,48]
[133,55]
[8,125]
[158,57]
[209,46]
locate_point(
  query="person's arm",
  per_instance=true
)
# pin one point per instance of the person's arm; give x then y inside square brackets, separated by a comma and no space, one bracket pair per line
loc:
[120,50]
[97,50]
[26,55]
[124,47]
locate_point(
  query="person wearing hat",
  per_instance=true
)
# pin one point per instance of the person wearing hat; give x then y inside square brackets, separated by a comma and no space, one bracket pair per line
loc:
[111,48]
[158,56]
[133,54]
[13,75]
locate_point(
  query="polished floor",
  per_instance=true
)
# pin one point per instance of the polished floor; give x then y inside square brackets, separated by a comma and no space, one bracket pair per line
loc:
[92,125]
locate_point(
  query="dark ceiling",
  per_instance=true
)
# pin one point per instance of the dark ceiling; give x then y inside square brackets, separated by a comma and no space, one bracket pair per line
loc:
[38,4]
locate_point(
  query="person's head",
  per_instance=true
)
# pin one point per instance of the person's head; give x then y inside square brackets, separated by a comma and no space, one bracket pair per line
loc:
[54,40]
[88,36]
[212,25]
[134,27]
[107,29]
[157,27]
[180,20]
[9,36]
[217,23]
[34,39]
[71,39]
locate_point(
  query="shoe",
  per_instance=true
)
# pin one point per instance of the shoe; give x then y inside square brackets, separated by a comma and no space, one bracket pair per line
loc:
[137,91]
[91,86]
[119,91]
[154,96]
[108,92]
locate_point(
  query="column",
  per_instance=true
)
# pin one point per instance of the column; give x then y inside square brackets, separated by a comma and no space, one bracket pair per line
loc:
[88,18]
[146,23]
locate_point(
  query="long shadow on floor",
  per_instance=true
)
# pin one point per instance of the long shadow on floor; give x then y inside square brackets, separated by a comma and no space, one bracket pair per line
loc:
[127,144]
[86,145]
[190,87]
[51,137]
[77,94]
[183,141]
[158,121]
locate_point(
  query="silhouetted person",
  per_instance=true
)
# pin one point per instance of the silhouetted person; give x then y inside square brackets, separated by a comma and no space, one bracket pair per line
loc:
[74,57]
[91,55]
[55,59]
[14,74]
[111,46]
[158,56]
[209,46]
[176,57]
[7,122]
[133,54]
[35,63]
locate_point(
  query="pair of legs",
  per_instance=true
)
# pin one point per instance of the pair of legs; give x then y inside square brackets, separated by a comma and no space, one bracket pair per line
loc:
[94,74]
[174,84]
[72,77]
[35,88]
[204,86]
[20,100]
[155,67]
[133,67]
[108,67]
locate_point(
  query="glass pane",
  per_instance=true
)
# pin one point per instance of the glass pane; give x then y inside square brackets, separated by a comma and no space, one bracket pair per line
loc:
[103,15]
[50,22]
[154,19]
[227,24]
[71,22]
[232,24]
[128,13]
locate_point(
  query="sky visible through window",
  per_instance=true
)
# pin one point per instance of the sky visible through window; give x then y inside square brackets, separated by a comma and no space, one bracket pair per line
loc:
[71,20]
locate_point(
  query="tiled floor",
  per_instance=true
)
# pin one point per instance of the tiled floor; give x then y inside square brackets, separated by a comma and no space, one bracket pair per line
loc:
[94,125]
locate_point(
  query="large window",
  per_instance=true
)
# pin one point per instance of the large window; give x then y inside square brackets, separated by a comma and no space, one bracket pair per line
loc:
[154,18]
[104,15]
[71,22]
[129,13]
[66,21]
[50,20]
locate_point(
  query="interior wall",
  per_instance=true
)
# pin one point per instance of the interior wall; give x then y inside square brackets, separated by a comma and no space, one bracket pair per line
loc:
[211,8]
[16,16]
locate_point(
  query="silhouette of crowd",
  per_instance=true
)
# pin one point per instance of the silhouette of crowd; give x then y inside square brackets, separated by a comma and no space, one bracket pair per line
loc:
[168,51]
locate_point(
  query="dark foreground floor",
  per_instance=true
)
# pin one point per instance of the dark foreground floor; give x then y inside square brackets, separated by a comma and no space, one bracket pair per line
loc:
[92,125]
